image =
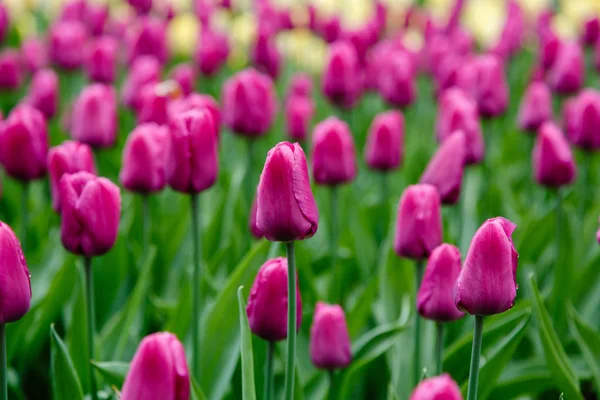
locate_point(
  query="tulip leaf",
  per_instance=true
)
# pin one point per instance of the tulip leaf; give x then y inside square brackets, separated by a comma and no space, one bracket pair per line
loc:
[113,372]
[196,392]
[248,389]
[588,341]
[556,357]
[76,336]
[65,383]
[531,377]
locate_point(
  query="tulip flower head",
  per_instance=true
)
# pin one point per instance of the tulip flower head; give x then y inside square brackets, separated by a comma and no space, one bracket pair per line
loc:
[4,22]
[265,56]
[185,76]
[43,92]
[581,117]
[15,283]
[147,38]
[144,71]
[333,153]
[536,106]
[341,80]
[299,111]
[553,160]
[34,52]
[568,71]
[199,102]
[396,82]
[329,339]
[94,116]
[101,60]
[385,143]
[300,85]
[212,51]
[11,70]
[67,41]
[491,87]
[437,388]
[142,7]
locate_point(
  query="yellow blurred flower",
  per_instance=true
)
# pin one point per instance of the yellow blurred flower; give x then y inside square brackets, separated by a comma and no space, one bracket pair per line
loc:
[485,20]
[532,8]
[242,34]
[303,49]
[440,9]
[182,34]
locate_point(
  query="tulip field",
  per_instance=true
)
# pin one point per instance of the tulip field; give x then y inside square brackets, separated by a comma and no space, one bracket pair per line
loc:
[271,199]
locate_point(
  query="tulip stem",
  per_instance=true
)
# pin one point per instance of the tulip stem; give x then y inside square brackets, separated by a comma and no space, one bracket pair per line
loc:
[146,221]
[24,215]
[89,281]
[585,184]
[268,389]
[475,355]
[331,384]
[336,278]
[439,350]
[250,184]
[3,368]
[196,286]
[291,326]
[417,343]
[560,288]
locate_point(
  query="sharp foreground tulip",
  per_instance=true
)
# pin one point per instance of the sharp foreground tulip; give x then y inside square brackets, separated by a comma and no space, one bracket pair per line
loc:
[568,71]
[333,153]
[581,118]
[43,92]
[437,388]
[267,304]
[144,71]
[536,106]
[487,283]
[286,208]
[385,144]
[341,80]
[101,60]
[91,209]
[94,116]
[67,41]
[329,339]
[158,370]
[11,70]
[553,161]
[14,278]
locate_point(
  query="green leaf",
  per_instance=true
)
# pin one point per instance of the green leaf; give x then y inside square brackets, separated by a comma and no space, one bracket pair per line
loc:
[557,359]
[113,372]
[76,335]
[65,384]
[197,393]
[588,341]
[531,377]
[248,389]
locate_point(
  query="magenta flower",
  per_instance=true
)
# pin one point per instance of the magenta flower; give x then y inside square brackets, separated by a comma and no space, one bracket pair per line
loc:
[299,111]
[553,161]
[11,70]
[384,150]
[265,56]
[94,116]
[43,92]
[185,76]
[15,282]
[147,38]
[67,41]
[342,80]
[437,388]
[536,106]
[581,118]
[197,101]
[101,60]
[34,53]
[333,153]
[212,51]
[144,71]
[568,71]
[329,339]
[396,79]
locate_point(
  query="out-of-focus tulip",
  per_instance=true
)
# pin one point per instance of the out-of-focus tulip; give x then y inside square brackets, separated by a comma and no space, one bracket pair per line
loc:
[597,55]
[193,164]
[94,116]
[158,370]
[154,103]
[74,10]
[487,283]
[197,101]
[385,143]
[300,85]
[286,208]
[536,106]
[396,82]
[212,51]
[435,299]
[490,88]
[101,60]
[299,111]
[265,56]
[581,118]
[568,71]
[144,71]
[34,53]
[185,76]
[24,143]
[15,282]
[96,18]
[445,169]
[43,92]
[553,161]
[591,30]
[333,153]
[513,31]
[249,103]
[329,339]
[437,388]
[147,38]
[457,112]
[11,70]
[141,6]
[90,212]
[342,80]
[252,222]
[549,47]
[67,158]
[4,22]
[419,222]
[67,41]
[145,158]
[267,303]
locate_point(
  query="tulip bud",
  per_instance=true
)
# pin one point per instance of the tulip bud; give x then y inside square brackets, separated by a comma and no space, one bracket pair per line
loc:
[94,117]
[553,161]
[487,284]
[141,6]
[268,301]
[34,53]
[158,370]
[581,117]
[144,71]
[67,41]
[24,143]
[435,299]
[265,56]
[212,51]
[197,101]
[591,30]
[96,16]
[154,103]
[568,71]
[43,92]
[437,388]
[249,103]
[396,81]
[147,38]
[286,208]
[4,22]
[185,76]
[385,144]
[101,60]
[341,80]
[11,74]
[445,169]
[252,221]
[549,47]
[491,88]
[67,158]
[333,153]
[419,222]
[536,106]
[194,161]
[73,10]
[300,85]
[299,112]
[15,283]
[329,339]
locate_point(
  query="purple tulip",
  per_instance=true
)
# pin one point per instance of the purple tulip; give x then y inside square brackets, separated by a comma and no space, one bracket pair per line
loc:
[299,111]
[419,222]
[487,284]
[158,370]
[511,38]
[329,339]
[267,304]
[197,101]
[581,117]
[553,161]
[142,7]
[43,92]
[96,18]
[185,76]
[147,38]
[212,51]
[286,208]
[536,106]
[591,30]
[101,60]
[265,56]
[15,282]
[437,388]
[568,71]
[341,80]
[94,116]
[549,46]
[333,153]
[34,53]
[300,85]
[90,210]
[144,71]
[4,22]
[396,82]
[67,41]
[11,70]
[490,86]
[154,103]
[384,150]
[252,221]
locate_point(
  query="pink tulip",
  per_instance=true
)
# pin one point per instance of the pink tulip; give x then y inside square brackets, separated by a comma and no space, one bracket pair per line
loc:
[94,116]
[329,339]
[581,118]
[300,85]
[341,80]
[185,76]
[144,71]
[568,71]
[4,22]
[154,103]
[265,56]
[536,106]
[197,101]
[384,150]
[591,30]
[34,53]
[549,47]
[15,281]
[491,87]
[11,70]
[67,41]
[43,92]
[141,6]
[147,38]
[299,111]
[101,60]
[396,81]
[97,17]
[212,51]
[333,153]
[437,388]
[252,222]
[553,161]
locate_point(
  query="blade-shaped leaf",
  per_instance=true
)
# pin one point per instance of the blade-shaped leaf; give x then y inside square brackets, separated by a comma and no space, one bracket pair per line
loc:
[588,341]
[113,372]
[65,383]
[248,389]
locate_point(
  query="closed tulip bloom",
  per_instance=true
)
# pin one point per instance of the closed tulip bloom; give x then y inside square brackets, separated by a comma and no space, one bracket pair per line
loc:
[4,22]
[341,80]
[15,284]
[212,51]
[101,60]
[437,388]
[396,82]
[249,103]
[252,222]
[435,299]
[141,6]
[67,41]
[144,71]
[581,117]
[591,31]
[154,103]
[491,91]
[147,38]
[265,56]
[419,222]
[158,370]
[67,158]
[385,143]
[90,212]
[145,158]
[445,169]
[329,339]
[96,17]
[568,71]
[94,116]
[286,208]
[11,70]
[487,283]
[536,106]
[333,153]
[185,76]
[34,53]
[549,47]
[24,143]
[553,161]
[43,92]
[193,164]
[300,85]
[197,101]
[73,10]
[299,111]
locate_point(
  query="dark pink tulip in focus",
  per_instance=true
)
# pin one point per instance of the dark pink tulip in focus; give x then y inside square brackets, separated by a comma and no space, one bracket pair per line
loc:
[265,55]
[581,119]
[67,158]
[299,111]
[43,92]
[193,164]
[144,71]
[267,304]
[487,283]
[67,43]
[536,106]
[437,388]
[90,211]
[212,51]
[329,339]
[419,222]
[553,161]
[11,70]
[147,38]
[435,300]
[252,221]
[34,52]
[342,80]
[24,143]
[94,116]
[158,370]
[568,71]
[286,208]
[385,144]
[591,31]
[14,278]
[101,60]
[333,153]
[185,76]
[141,6]
[145,158]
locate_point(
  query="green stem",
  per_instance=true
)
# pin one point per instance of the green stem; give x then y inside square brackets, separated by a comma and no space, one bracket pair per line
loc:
[585,185]
[562,279]
[439,347]
[336,279]
[475,355]
[24,215]
[146,221]
[91,321]
[331,374]
[196,286]
[268,387]
[250,184]
[291,327]
[417,341]
[3,367]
